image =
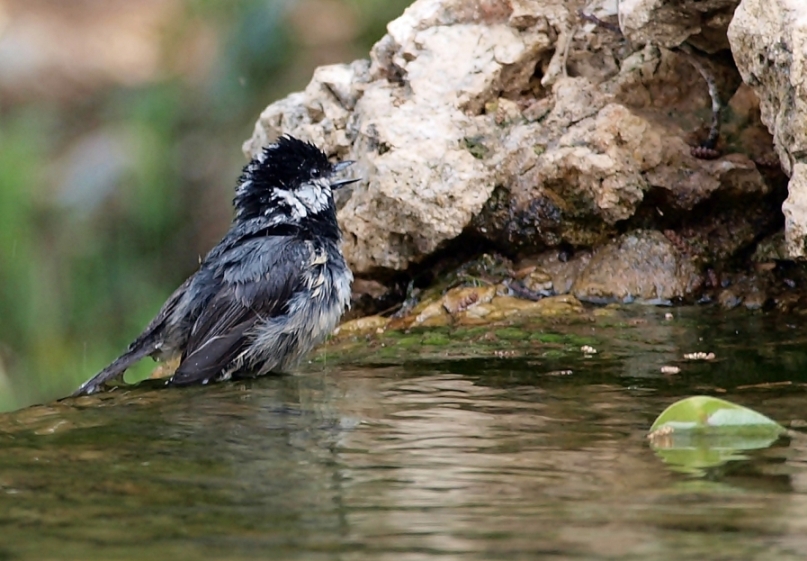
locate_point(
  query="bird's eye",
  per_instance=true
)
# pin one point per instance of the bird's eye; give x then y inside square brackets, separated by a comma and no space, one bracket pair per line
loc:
[314,172]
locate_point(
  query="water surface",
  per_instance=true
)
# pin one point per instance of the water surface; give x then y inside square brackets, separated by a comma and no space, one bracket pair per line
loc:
[494,452]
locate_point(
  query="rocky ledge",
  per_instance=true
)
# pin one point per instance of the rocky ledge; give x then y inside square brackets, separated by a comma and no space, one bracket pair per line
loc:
[573,140]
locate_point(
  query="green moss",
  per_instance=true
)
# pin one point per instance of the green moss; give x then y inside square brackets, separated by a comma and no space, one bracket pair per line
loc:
[579,340]
[388,352]
[511,333]
[436,339]
[548,337]
[471,332]
[408,341]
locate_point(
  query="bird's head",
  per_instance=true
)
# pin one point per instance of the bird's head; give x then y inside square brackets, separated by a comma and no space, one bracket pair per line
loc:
[291,180]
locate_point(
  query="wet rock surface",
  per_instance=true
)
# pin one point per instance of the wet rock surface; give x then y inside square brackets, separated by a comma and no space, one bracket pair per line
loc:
[641,265]
[546,134]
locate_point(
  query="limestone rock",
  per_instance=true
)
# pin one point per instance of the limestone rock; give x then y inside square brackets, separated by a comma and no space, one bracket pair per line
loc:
[641,265]
[406,118]
[769,43]
[319,114]
[508,120]
[669,23]
[795,209]
[601,148]
[366,325]
[563,272]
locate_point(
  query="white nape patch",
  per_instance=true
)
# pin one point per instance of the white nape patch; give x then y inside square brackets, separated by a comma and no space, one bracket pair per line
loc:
[309,198]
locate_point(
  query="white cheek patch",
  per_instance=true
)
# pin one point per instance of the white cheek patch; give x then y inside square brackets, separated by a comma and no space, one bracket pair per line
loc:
[297,207]
[310,198]
[315,195]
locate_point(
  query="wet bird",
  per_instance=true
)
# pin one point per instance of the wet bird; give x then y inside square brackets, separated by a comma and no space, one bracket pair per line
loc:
[273,288]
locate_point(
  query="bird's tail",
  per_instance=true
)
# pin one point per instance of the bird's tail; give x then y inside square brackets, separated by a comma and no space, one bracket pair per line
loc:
[117,368]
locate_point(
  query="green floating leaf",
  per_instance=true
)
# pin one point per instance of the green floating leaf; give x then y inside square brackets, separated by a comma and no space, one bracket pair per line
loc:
[701,432]
[714,416]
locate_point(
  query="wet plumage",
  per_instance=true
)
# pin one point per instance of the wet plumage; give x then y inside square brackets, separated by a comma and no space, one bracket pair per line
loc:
[274,286]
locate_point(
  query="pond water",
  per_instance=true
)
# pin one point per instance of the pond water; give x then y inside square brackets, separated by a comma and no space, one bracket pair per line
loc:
[521,448]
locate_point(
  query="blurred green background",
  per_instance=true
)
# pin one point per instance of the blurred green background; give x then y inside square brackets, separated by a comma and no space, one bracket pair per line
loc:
[121,126]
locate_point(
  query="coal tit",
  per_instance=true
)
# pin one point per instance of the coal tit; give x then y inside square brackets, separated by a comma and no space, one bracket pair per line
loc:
[273,288]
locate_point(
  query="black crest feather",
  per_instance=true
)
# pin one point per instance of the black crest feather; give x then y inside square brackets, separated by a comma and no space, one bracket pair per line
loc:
[286,164]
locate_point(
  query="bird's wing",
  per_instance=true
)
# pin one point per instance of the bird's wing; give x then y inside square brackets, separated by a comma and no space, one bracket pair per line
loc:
[147,336]
[255,282]
[147,343]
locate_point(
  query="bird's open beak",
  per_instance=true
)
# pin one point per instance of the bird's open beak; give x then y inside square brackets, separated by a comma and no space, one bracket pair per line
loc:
[341,166]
